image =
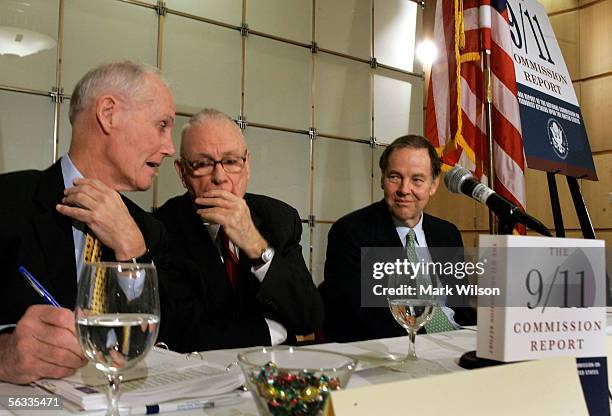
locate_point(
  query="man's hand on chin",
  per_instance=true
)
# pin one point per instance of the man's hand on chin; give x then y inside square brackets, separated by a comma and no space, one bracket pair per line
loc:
[233,214]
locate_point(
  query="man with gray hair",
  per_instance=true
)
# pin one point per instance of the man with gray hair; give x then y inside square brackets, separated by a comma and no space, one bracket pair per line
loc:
[122,115]
[238,253]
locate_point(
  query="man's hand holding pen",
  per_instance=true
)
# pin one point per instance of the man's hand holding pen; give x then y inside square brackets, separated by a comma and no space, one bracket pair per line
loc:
[43,344]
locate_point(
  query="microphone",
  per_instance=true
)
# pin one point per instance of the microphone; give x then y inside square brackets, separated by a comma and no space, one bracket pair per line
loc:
[461,181]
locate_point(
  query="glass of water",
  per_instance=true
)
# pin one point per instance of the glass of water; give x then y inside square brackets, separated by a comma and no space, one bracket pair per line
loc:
[117,318]
[412,306]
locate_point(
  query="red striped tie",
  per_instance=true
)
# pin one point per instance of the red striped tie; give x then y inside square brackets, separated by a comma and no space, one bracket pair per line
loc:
[230,259]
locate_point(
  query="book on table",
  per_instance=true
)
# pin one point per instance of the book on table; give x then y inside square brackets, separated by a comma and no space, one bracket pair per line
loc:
[162,376]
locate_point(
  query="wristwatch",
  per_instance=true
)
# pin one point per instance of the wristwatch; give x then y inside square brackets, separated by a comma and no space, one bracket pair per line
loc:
[144,259]
[265,256]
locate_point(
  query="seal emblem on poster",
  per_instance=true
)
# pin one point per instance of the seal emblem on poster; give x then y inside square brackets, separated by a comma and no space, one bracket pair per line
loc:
[557,138]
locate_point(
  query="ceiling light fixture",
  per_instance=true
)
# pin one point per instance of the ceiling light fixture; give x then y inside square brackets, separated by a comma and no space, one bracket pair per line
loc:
[23,42]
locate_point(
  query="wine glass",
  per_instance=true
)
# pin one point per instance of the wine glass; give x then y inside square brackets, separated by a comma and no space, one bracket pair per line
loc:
[412,304]
[117,318]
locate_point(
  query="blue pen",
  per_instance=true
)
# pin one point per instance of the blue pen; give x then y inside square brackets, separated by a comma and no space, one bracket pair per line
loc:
[38,287]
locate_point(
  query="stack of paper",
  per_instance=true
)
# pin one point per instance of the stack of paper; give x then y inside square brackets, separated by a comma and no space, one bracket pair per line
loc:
[162,376]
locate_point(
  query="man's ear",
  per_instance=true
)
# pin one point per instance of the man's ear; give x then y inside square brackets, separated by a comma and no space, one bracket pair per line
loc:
[179,171]
[106,107]
[434,186]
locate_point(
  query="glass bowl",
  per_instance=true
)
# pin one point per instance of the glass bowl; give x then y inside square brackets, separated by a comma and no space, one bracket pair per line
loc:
[294,381]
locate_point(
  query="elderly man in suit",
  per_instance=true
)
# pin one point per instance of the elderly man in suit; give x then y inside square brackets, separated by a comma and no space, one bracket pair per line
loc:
[122,115]
[239,272]
[410,169]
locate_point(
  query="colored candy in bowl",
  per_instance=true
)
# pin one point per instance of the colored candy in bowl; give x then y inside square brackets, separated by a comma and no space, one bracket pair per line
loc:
[289,381]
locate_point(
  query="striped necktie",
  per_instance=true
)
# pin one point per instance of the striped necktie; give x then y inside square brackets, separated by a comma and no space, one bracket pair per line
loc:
[230,259]
[439,322]
[92,253]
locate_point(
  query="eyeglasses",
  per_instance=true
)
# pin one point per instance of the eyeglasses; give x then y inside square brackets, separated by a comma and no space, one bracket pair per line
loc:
[205,167]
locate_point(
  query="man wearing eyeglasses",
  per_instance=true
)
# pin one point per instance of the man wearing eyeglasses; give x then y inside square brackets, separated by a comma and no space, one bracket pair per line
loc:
[239,270]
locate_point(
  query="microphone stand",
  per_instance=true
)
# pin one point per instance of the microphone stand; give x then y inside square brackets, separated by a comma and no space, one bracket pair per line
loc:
[507,222]
[506,226]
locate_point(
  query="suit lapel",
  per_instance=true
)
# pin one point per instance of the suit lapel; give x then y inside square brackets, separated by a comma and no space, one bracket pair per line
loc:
[441,248]
[54,233]
[433,237]
[383,228]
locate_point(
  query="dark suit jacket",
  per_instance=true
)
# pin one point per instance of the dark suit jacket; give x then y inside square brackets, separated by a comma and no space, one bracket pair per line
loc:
[35,235]
[372,226]
[207,312]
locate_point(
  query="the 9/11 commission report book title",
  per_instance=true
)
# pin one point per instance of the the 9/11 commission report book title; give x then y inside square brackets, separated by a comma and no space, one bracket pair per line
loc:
[537,297]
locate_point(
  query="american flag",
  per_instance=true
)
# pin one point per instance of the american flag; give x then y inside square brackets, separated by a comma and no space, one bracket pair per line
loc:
[455,118]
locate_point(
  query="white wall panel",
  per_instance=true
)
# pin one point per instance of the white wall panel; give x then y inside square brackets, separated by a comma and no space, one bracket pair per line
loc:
[280,166]
[342,177]
[395,32]
[398,105]
[202,63]
[277,87]
[227,11]
[344,26]
[343,97]
[290,19]
[25,144]
[100,31]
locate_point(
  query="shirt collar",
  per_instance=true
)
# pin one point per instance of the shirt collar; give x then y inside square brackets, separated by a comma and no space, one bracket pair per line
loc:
[402,230]
[69,171]
[213,230]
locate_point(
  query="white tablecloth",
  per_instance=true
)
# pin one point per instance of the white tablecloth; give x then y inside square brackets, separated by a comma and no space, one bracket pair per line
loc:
[374,357]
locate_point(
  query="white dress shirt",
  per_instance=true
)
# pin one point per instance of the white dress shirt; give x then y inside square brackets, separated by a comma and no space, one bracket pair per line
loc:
[70,173]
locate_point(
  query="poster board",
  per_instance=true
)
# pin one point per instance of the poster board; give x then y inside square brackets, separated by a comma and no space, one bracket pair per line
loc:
[553,130]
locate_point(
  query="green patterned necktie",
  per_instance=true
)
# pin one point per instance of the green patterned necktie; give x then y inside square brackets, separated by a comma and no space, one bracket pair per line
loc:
[439,322]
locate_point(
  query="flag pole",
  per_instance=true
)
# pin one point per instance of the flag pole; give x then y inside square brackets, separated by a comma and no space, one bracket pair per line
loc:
[490,167]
